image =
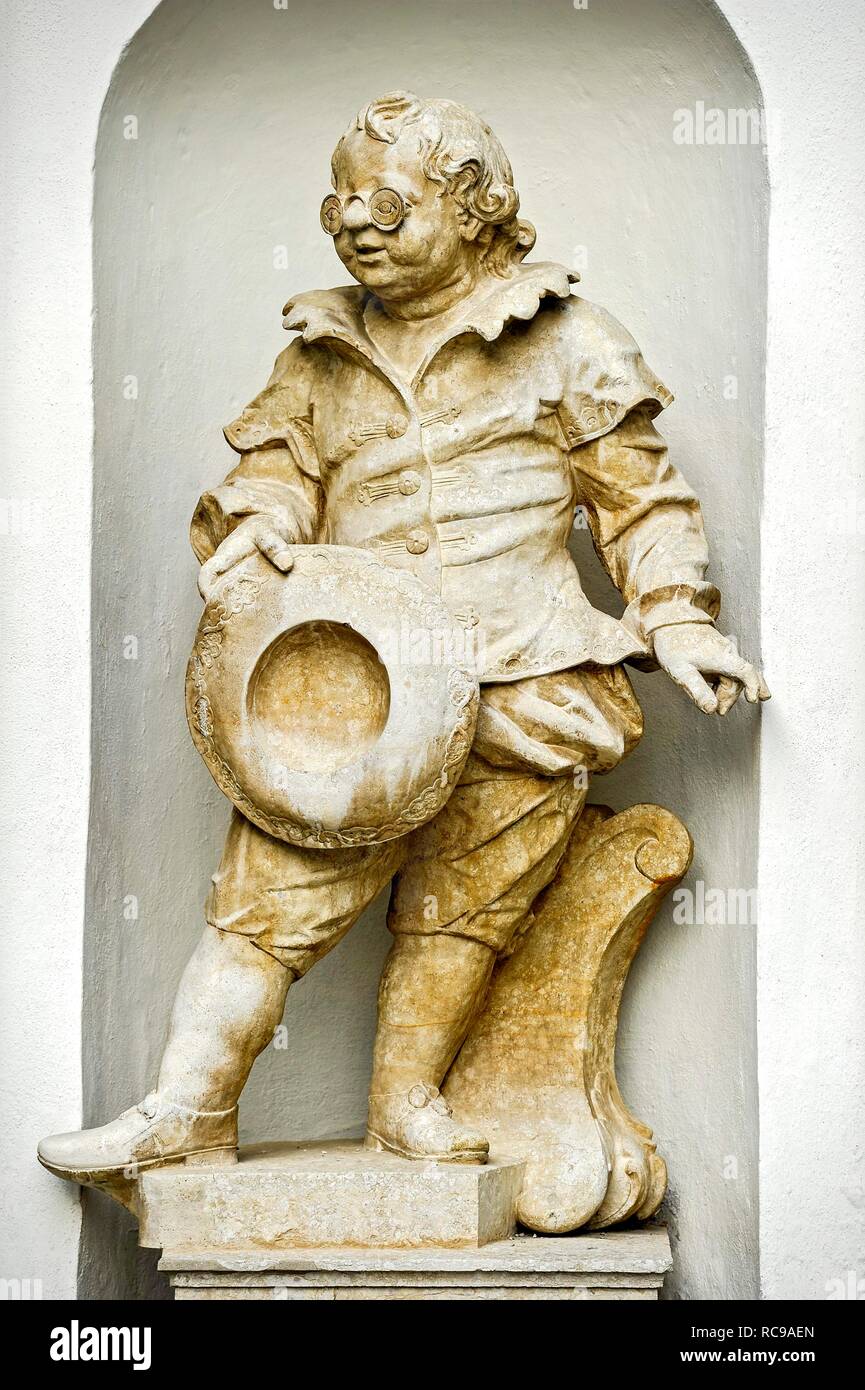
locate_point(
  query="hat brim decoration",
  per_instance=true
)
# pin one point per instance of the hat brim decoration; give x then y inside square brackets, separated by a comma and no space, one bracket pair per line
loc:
[334,705]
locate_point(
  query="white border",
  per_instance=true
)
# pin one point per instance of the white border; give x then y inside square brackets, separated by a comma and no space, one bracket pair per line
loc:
[57,64]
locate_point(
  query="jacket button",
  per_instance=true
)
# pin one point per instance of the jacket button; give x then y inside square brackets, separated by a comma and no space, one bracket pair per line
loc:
[417,542]
[395,427]
[409,482]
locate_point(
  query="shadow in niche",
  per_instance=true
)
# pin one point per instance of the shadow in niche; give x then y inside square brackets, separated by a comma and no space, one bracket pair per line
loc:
[111,1257]
[187,220]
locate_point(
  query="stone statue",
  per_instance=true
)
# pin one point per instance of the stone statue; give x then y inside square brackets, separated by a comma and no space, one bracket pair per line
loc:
[444,416]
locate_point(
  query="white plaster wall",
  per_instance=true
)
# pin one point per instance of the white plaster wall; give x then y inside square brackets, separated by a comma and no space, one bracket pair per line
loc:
[811,988]
[238,107]
[55,64]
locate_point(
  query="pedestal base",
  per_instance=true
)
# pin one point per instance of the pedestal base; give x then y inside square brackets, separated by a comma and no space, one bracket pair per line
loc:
[622,1265]
[283,1196]
[338,1221]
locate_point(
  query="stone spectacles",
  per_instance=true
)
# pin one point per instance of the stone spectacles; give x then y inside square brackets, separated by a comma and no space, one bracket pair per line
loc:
[386,210]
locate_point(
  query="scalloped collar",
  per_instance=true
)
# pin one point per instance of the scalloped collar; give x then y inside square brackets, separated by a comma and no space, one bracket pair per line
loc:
[339,313]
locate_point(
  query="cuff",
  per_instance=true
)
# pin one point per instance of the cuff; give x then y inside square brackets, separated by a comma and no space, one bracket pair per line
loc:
[223,508]
[674,603]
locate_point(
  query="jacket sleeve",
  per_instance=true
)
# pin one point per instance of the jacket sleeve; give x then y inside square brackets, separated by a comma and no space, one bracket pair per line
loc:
[278,474]
[646,525]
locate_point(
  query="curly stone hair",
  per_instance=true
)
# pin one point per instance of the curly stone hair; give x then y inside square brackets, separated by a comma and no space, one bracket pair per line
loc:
[460,152]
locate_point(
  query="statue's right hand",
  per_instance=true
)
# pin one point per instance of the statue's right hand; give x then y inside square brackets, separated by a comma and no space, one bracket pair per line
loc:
[262,533]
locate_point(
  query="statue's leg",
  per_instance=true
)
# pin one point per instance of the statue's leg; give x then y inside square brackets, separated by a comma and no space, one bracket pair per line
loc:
[536,1073]
[431,988]
[467,886]
[539,1066]
[230,999]
[273,911]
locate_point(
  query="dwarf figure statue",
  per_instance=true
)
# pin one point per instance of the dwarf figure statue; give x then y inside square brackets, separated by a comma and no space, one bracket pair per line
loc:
[450,412]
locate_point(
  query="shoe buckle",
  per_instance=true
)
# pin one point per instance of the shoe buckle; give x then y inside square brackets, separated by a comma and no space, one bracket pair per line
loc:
[423,1095]
[149,1107]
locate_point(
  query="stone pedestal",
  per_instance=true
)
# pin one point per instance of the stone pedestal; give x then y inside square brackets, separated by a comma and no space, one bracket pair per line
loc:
[337,1221]
[621,1265]
[283,1196]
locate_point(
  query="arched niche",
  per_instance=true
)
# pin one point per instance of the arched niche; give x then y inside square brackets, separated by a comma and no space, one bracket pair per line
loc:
[212,158]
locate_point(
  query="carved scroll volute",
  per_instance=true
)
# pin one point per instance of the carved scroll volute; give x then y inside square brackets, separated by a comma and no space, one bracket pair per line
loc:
[654,849]
[538,1069]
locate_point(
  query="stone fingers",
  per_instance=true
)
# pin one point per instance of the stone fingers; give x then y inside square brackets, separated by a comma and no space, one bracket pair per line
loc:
[689,679]
[257,533]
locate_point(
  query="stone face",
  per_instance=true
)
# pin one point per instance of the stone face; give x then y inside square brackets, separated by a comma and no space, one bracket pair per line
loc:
[280,1196]
[618,1266]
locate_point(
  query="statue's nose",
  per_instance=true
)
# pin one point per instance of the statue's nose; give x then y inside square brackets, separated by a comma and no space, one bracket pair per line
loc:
[355,216]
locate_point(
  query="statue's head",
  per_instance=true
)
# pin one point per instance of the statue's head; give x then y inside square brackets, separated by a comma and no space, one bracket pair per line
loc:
[422,191]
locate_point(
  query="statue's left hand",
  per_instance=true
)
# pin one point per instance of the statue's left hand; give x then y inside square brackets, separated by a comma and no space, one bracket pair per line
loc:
[708,666]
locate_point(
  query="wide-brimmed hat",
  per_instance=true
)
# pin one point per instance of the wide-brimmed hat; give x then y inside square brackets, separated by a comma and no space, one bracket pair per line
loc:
[335,704]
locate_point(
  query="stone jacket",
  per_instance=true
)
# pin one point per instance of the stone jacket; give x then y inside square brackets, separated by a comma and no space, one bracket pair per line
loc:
[530,404]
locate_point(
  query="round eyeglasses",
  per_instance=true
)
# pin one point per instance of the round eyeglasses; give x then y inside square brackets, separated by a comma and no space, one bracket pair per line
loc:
[386,210]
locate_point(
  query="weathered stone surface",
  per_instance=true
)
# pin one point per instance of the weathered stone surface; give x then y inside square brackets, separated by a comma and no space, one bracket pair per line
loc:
[537,1073]
[423,1293]
[396,639]
[280,1196]
[616,1266]
[311,716]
